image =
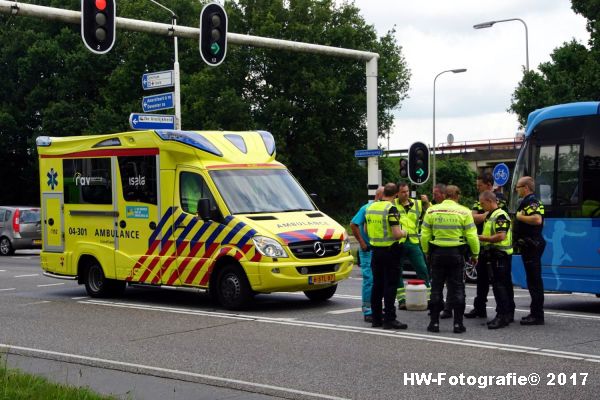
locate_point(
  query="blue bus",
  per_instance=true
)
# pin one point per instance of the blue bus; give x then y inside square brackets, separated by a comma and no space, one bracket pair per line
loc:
[561,151]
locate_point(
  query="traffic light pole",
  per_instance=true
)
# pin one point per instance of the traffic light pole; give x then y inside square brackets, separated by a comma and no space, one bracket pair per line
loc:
[74,17]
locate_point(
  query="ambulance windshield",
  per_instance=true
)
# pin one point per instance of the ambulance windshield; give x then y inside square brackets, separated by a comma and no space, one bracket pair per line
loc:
[254,191]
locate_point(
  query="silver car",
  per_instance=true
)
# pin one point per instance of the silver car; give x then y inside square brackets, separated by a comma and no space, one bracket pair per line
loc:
[20,228]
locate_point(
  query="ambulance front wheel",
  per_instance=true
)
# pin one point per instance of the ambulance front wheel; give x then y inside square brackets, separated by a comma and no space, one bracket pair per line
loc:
[234,291]
[321,294]
[96,284]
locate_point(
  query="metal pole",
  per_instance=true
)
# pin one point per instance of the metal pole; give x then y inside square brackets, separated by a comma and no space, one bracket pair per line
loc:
[455,71]
[372,162]
[176,75]
[74,17]
[489,24]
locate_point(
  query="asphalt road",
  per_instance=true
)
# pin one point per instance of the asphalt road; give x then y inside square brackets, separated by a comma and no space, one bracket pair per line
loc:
[171,344]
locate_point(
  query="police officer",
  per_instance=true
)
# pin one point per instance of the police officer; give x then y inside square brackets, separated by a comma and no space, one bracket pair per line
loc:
[447,228]
[365,255]
[485,182]
[528,236]
[411,211]
[495,257]
[383,228]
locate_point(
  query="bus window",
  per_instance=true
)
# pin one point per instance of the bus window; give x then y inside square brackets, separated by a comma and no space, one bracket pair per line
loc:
[544,175]
[568,175]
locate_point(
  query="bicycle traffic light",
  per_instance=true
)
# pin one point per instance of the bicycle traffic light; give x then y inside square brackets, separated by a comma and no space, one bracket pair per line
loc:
[418,163]
[98,24]
[403,168]
[213,34]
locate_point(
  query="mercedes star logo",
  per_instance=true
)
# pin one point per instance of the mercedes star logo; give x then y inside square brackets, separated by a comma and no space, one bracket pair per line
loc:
[319,249]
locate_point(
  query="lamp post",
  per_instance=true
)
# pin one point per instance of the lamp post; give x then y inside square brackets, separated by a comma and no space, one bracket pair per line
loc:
[176,73]
[489,24]
[455,71]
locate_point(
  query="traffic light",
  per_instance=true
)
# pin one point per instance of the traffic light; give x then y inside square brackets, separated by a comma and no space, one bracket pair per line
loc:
[403,168]
[98,24]
[418,163]
[213,34]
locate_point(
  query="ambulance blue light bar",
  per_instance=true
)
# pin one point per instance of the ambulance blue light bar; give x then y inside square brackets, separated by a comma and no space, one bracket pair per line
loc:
[269,141]
[43,141]
[189,138]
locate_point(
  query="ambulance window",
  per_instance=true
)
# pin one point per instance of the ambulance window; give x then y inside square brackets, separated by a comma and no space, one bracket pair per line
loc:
[191,189]
[87,181]
[138,178]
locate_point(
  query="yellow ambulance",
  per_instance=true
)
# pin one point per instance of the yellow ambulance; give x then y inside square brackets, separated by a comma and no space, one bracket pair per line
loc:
[200,209]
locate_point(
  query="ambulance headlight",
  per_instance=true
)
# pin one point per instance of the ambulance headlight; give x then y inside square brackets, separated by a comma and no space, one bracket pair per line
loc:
[269,247]
[346,242]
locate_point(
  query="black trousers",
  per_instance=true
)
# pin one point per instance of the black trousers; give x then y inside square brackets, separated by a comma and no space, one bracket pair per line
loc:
[498,269]
[385,265]
[447,266]
[532,261]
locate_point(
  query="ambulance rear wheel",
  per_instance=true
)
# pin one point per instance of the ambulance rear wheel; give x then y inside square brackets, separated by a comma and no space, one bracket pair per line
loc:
[234,291]
[321,294]
[96,284]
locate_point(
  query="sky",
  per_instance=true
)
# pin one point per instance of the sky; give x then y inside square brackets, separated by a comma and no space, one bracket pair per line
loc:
[438,35]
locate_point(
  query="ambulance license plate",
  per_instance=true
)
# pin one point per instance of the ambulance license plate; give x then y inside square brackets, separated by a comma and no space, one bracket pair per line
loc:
[321,279]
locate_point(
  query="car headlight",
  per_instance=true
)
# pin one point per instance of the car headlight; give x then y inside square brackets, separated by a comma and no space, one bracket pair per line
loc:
[346,242]
[269,247]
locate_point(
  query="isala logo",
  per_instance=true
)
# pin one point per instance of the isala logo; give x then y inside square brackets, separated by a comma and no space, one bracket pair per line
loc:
[137,180]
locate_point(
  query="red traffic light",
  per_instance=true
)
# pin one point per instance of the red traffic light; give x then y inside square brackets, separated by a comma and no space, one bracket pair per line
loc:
[101,4]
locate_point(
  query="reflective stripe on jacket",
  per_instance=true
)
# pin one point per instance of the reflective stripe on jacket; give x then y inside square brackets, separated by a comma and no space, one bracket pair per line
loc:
[489,229]
[378,226]
[449,224]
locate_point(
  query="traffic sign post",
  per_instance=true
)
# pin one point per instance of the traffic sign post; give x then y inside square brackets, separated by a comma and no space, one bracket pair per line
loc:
[368,153]
[162,101]
[155,80]
[151,121]
[501,174]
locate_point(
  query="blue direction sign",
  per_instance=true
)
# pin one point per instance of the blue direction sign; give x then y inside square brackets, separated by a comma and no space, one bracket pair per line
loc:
[501,174]
[151,121]
[368,153]
[155,80]
[162,101]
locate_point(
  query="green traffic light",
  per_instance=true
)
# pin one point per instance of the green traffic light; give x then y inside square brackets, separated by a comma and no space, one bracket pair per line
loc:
[215,48]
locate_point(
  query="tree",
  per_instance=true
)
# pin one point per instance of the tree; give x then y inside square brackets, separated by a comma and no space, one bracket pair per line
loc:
[315,106]
[573,74]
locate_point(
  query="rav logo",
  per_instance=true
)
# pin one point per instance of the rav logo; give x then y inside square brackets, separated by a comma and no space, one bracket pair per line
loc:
[137,180]
[86,180]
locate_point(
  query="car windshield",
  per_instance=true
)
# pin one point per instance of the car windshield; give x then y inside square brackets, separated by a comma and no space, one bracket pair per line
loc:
[29,216]
[253,191]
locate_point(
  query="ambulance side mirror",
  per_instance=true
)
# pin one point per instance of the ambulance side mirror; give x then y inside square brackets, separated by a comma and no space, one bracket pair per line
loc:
[204,209]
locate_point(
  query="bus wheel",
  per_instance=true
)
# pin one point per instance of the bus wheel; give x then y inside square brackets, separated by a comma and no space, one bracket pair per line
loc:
[96,283]
[234,291]
[6,248]
[321,294]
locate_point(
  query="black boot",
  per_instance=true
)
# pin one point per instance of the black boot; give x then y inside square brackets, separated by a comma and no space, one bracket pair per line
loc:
[458,320]
[434,324]
[499,322]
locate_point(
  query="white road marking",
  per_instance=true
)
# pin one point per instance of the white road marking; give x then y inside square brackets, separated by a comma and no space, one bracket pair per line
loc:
[346,311]
[6,290]
[36,303]
[80,298]
[2,270]
[51,284]
[354,329]
[130,367]
[25,276]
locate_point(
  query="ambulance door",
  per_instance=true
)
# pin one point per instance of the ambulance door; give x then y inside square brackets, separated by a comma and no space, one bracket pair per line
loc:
[52,219]
[137,255]
[196,241]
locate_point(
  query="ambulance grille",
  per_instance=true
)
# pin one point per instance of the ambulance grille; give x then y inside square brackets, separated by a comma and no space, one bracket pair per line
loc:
[307,249]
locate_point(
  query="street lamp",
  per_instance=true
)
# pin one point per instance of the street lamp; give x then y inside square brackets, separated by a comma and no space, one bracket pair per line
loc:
[455,71]
[489,24]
